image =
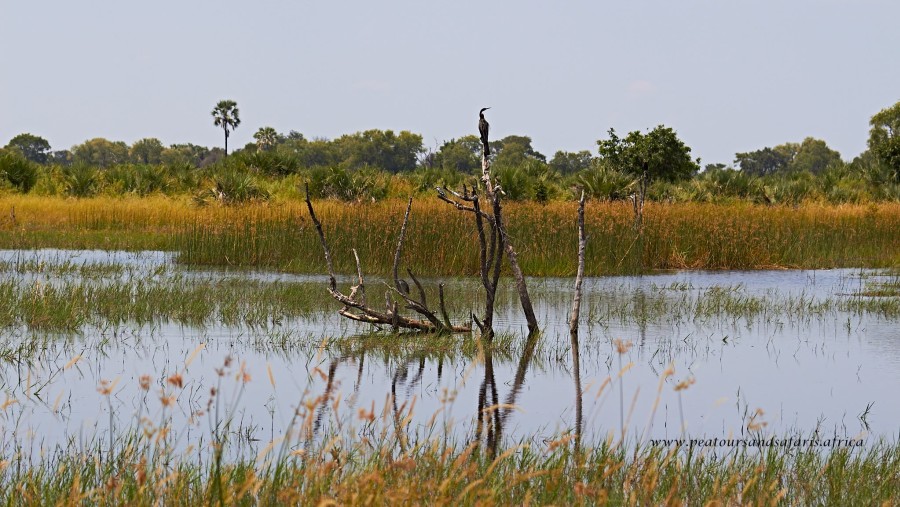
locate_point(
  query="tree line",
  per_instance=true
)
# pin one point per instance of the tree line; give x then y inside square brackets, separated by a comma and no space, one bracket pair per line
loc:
[360,165]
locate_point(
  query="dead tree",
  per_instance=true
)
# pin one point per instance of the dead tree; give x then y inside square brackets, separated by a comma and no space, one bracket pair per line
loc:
[573,324]
[579,275]
[355,306]
[492,244]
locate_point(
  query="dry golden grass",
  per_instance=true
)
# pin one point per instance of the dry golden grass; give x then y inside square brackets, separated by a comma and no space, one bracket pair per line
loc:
[441,240]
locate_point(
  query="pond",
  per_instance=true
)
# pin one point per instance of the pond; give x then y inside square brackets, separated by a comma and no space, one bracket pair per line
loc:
[263,355]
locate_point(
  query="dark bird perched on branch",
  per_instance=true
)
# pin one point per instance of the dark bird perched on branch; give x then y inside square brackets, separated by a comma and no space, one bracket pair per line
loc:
[483,128]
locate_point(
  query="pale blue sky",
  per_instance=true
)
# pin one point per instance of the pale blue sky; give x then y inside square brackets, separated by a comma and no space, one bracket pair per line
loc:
[726,75]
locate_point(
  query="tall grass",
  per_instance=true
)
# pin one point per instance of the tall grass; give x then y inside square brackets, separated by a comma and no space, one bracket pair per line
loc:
[440,241]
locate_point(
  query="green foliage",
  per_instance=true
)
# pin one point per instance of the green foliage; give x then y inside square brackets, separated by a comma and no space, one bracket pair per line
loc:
[462,155]
[18,170]
[33,148]
[514,151]
[884,138]
[229,186]
[533,180]
[380,149]
[184,154]
[315,153]
[80,180]
[146,151]
[603,183]
[729,182]
[568,162]
[138,179]
[791,188]
[100,152]
[767,160]
[656,155]
[376,164]
[272,163]
[717,184]
[811,155]
[814,156]
[340,182]
[60,157]
[425,179]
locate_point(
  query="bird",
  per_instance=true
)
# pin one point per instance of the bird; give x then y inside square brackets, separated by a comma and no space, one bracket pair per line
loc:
[483,129]
[404,287]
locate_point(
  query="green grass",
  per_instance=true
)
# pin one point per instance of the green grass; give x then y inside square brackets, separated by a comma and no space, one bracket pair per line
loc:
[73,304]
[67,297]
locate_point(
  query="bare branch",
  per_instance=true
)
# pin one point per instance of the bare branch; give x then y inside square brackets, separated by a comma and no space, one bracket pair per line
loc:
[400,245]
[443,306]
[442,195]
[416,306]
[312,214]
[418,286]
[360,286]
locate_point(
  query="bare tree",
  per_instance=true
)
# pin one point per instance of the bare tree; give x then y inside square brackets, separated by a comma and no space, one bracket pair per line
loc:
[493,242]
[579,275]
[573,325]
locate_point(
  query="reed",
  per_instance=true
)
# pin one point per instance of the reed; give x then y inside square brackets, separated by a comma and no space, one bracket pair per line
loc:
[676,236]
[280,236]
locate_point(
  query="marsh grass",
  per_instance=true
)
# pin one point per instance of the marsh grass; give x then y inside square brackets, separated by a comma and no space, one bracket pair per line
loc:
[679,236]
[66,296]
[69,305]
[278,235]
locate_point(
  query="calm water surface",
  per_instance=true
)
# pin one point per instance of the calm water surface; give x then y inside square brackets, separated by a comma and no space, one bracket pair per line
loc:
[780,371]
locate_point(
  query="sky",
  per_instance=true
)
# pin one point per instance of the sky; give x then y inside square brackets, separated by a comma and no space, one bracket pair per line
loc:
[728,75]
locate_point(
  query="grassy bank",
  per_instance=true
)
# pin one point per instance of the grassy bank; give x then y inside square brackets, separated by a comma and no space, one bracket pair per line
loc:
[441,241]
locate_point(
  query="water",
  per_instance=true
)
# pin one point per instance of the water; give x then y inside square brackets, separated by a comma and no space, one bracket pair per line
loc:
[769,353]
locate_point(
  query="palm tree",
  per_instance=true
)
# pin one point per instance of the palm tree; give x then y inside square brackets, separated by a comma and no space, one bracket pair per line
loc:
[226,115]
[266,138]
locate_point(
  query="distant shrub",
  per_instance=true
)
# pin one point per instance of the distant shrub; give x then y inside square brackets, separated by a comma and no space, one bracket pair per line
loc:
[426,178]
[605,184]
[80,180]
[339,182]
[139,179]
[270,163]
[18,171]
[232,187]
